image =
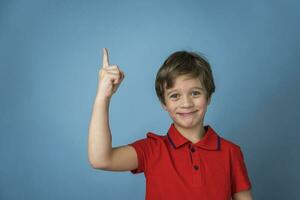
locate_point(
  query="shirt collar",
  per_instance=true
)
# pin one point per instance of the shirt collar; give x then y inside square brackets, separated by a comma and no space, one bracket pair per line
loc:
[210,141]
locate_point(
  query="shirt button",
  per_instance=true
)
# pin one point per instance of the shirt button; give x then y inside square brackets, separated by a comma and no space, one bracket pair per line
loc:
[193,149]
[196,167]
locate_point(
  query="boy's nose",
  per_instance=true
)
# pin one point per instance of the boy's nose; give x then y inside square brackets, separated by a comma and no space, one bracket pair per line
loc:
[187,102]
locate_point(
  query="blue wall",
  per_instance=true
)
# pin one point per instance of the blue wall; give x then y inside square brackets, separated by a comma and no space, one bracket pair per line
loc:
[50,54]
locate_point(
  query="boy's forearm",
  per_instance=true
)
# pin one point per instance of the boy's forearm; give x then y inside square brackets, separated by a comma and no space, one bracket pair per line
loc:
[100,139]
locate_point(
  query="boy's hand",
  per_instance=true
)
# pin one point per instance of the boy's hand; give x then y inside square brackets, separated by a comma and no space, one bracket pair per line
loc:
[110,78]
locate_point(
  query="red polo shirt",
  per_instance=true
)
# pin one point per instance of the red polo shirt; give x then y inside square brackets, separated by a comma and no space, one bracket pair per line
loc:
[175,168]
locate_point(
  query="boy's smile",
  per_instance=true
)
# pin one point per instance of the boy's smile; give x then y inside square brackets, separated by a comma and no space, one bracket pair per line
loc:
[186,104]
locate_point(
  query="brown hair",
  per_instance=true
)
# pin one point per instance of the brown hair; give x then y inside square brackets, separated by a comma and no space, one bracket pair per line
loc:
[184,63]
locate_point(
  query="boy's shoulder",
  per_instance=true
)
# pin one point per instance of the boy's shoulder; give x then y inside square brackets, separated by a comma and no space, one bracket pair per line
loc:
[226,143]
[155,135]
[152,136]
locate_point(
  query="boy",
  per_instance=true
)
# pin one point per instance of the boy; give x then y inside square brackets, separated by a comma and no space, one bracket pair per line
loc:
[191,161]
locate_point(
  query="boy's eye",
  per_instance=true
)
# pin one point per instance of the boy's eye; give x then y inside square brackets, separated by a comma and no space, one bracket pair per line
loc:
[196,93]
[174,96]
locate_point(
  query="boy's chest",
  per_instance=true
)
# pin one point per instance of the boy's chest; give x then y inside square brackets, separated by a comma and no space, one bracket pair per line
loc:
[191,169]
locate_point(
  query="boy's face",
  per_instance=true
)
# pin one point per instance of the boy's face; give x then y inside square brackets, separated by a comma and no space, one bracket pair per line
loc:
[186,102]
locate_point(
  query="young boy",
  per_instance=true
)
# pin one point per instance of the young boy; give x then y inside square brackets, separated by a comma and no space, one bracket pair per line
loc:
[191,161]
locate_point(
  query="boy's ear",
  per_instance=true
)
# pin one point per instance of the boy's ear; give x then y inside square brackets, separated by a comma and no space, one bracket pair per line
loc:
[209,100]
[163,106]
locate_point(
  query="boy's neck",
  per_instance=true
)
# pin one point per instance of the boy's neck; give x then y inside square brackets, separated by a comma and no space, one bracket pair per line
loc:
[194,134]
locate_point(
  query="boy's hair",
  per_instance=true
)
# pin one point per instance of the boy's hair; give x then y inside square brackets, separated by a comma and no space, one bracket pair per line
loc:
[184,63]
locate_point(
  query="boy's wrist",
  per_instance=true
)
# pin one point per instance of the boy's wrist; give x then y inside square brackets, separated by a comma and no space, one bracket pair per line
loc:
[103,99]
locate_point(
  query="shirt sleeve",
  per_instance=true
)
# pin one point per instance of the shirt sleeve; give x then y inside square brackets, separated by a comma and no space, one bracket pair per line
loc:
[240,179]
[144,148]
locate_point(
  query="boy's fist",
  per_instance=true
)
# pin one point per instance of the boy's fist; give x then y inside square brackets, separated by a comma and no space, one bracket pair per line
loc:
[110,77]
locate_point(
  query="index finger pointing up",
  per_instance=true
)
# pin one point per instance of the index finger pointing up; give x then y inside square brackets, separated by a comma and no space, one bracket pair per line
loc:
[105,58]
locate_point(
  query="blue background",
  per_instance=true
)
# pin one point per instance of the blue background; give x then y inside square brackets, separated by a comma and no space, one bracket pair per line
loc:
[50,54]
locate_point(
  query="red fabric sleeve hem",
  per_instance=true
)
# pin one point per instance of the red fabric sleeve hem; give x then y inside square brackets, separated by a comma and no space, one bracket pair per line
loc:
[242,187]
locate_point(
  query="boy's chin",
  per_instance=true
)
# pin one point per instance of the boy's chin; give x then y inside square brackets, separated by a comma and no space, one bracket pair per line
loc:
[187,125]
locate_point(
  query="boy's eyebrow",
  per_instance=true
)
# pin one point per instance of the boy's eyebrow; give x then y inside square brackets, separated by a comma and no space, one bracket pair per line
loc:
[170,91]
[200,88]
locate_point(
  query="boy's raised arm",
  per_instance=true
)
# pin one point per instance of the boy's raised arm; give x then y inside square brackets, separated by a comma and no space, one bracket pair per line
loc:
[100,152]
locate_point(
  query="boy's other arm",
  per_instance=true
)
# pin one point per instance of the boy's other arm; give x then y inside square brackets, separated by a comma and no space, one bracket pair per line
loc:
[243,195]
[100,152]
